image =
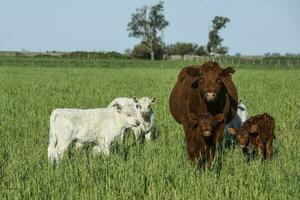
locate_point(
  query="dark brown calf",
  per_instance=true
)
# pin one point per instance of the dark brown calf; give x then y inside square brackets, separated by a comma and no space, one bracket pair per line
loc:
[201,137]
[257,133]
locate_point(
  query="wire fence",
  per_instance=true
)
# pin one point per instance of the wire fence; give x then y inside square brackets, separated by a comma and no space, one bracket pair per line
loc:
[275,61]
[249,60]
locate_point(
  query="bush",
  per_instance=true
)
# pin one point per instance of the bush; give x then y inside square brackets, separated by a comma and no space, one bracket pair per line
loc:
[141,51]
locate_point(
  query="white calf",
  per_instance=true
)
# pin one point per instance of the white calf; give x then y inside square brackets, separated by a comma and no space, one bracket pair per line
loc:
[100,126]
[144,113]
[239,119]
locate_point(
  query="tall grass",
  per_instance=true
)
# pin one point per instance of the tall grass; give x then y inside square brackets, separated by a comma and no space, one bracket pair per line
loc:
[135,170]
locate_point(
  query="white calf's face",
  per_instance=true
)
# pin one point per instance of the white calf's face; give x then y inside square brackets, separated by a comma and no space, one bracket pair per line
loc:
[129,115]
[145,105]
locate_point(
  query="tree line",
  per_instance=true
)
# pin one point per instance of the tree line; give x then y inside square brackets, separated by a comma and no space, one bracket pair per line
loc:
[146,24]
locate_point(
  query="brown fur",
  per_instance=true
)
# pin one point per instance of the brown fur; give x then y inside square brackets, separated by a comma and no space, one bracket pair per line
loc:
[188,94]
[201,146]
[258,133]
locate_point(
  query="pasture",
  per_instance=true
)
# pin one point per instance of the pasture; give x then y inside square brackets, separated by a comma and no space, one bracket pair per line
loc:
[30,89]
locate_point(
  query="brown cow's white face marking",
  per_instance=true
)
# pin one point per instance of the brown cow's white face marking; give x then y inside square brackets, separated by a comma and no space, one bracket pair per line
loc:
[210,96]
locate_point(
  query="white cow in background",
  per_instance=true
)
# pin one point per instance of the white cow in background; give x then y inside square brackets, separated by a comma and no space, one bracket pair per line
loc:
[144,113]
[100,126]
[239,119]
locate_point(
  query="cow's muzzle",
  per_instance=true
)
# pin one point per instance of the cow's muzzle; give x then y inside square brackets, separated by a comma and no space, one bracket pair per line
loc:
[137,123]
[210,96]
[145,114]
[206,133]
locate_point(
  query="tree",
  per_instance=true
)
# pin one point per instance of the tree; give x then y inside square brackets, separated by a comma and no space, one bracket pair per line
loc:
[214,40]
[201,51]
[182,48]
[146,23]
[221,50]
[127,52]
[141,51]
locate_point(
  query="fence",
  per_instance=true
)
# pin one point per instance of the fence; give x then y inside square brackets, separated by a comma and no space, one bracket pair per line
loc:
[248,60]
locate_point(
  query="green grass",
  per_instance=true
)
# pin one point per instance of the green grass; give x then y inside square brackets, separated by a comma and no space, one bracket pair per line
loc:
[134,170]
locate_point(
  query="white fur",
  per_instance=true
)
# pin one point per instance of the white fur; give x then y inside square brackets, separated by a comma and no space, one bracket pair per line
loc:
[239,119]
[100,126]
[144,113]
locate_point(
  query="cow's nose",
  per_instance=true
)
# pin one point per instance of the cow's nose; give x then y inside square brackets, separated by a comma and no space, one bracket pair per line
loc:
[210,96]
[138,123]
[206,133]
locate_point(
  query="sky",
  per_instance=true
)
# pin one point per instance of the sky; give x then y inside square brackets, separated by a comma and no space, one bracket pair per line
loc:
[256,26]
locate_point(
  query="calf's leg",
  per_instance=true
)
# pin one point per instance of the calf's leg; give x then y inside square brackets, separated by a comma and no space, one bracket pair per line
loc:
[269,149]
[101,149]
[61,147]
[148,136]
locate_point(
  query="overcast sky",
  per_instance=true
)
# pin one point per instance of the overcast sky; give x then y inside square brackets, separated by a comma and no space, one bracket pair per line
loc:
[256,26]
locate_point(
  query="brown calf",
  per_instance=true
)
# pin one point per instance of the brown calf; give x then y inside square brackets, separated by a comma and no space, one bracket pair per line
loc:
[201,137]
[257,133]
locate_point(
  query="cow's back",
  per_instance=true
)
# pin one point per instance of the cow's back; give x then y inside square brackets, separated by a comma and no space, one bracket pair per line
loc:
[181,95]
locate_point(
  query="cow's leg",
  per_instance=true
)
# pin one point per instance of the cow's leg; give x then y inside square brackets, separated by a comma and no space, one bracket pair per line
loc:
[262,146]
[78,145]
[148,136]
[61,147]
[210,157]
[137,132]
[219,134]
[122,135]
[101,149]
[270,148]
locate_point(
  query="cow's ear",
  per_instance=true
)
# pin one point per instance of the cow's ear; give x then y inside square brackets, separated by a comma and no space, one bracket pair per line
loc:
[231,131]
[192,72]
[119,107]
[253,128]
[153,100]
[218,118]
[135,99]
[228,71]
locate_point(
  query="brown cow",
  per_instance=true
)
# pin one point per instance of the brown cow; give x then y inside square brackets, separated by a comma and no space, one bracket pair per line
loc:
[257,133]
[204,88]
[200,136]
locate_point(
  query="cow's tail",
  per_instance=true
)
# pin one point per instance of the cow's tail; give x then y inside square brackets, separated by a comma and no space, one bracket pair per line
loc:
[52,152]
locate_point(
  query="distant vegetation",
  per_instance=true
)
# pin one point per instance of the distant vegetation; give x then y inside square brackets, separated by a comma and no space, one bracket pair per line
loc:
[146,23]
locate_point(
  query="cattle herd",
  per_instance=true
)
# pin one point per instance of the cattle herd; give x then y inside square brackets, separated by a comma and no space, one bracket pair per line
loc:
[204,101]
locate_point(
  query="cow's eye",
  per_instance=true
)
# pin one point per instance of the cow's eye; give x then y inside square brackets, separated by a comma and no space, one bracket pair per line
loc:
[219,78]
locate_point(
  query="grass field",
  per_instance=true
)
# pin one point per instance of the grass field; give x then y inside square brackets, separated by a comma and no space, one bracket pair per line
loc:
[135,170]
